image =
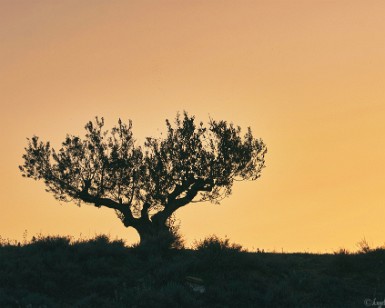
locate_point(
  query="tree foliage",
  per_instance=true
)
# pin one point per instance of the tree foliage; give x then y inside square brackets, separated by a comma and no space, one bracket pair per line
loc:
[146,183]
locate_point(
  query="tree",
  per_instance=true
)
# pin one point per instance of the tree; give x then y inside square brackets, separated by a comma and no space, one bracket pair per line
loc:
[146,184]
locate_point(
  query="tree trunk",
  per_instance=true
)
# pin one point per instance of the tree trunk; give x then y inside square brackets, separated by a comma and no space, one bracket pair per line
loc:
[156,236]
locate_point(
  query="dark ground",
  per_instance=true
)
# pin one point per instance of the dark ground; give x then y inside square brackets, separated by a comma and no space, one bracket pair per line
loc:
[57,272]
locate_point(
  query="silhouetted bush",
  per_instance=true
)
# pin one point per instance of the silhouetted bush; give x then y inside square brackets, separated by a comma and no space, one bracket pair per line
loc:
[216,244]
[363,246]
[50,242]
[217,253]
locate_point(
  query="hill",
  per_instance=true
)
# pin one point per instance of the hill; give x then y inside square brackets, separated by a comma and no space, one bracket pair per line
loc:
[58,272]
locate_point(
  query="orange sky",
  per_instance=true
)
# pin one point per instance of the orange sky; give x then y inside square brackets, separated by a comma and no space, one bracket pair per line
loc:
[307,76]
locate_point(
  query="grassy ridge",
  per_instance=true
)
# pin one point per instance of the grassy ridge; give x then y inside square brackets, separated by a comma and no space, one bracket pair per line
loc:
[58,272]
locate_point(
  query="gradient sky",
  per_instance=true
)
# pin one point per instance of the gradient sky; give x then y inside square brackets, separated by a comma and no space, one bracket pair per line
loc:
[307,76]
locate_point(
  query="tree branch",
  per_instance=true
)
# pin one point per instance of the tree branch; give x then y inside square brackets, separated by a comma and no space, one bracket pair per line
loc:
[122,208]
[177,191]
[144,211]
[174,204]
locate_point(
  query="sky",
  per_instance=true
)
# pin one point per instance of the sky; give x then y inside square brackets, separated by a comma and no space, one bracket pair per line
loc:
[307,76]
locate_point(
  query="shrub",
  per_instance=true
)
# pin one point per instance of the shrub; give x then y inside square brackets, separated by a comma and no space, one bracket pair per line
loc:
[215,244]
[50,242]
[363,246]
[343,261]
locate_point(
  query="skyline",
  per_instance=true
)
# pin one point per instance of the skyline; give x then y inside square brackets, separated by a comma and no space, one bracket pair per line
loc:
[308,78]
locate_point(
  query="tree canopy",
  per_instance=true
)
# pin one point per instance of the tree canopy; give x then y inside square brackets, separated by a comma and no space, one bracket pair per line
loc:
[145,184]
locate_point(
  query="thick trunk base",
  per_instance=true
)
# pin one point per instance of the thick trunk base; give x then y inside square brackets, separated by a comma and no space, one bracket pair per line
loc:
[156,237]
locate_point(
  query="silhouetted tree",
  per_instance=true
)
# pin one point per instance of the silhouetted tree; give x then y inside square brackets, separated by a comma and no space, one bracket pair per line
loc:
[146,184]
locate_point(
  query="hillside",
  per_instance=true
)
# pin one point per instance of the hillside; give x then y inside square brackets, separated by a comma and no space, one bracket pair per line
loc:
[57,272]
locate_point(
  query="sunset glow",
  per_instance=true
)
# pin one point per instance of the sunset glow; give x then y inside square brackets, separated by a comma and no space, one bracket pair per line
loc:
[308,77]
